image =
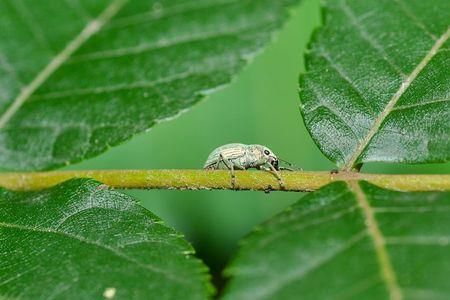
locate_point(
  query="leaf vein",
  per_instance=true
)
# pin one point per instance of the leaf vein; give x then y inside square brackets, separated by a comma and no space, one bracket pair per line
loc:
[301,226]
[94,243]
[91,28]
[384,261]
[416,21]
[347,79]
[442,241]
[76,6]
[387,110]
[403,107]
[9,68]
[367,37]
[299,273]
[33,27]
[413,209]
[136,50]
[114,88]
[149,16]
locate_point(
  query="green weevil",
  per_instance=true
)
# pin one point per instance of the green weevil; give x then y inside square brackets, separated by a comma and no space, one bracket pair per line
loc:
[242,157]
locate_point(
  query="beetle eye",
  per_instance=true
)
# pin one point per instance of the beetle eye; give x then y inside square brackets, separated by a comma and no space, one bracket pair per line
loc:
[266,152]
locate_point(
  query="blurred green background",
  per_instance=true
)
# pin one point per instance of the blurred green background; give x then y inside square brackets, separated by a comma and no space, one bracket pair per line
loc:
[261,106]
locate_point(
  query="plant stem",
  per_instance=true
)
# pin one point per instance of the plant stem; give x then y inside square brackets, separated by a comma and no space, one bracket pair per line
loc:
[220,179]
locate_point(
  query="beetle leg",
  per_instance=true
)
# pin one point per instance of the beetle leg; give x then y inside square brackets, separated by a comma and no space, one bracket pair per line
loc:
[277,174]
[230,167]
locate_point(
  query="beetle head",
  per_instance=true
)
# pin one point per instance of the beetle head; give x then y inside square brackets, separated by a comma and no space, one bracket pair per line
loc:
[271,157]
[274,163]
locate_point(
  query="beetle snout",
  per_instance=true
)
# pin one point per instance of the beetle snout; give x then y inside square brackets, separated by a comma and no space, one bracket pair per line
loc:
[274,163]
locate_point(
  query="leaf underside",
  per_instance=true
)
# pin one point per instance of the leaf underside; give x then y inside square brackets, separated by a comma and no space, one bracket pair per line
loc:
[79,240]
[377,85]
[326,247]
[79,76]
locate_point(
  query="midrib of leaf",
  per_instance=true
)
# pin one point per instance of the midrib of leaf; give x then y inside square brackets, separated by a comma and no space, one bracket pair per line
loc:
[88,31]
[387,271]
[389,107]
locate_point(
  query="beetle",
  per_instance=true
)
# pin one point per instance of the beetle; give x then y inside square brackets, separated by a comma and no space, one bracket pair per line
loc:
[242,157]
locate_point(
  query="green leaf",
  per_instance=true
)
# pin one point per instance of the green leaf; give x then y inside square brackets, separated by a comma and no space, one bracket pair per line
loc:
[353,241]
[80,240]
[79,76]
[377,85]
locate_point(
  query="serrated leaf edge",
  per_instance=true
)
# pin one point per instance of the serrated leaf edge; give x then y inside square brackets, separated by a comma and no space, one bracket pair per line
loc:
[94,185]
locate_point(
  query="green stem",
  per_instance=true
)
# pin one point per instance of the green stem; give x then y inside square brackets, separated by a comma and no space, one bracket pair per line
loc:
[220,179]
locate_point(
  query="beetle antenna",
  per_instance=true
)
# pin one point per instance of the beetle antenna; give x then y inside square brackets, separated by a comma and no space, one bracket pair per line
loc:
[286,162]
[289,164]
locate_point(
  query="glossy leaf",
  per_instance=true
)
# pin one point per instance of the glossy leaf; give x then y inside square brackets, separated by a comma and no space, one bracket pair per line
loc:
[80,240]
[377,85]
[79,76]
[353,241]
